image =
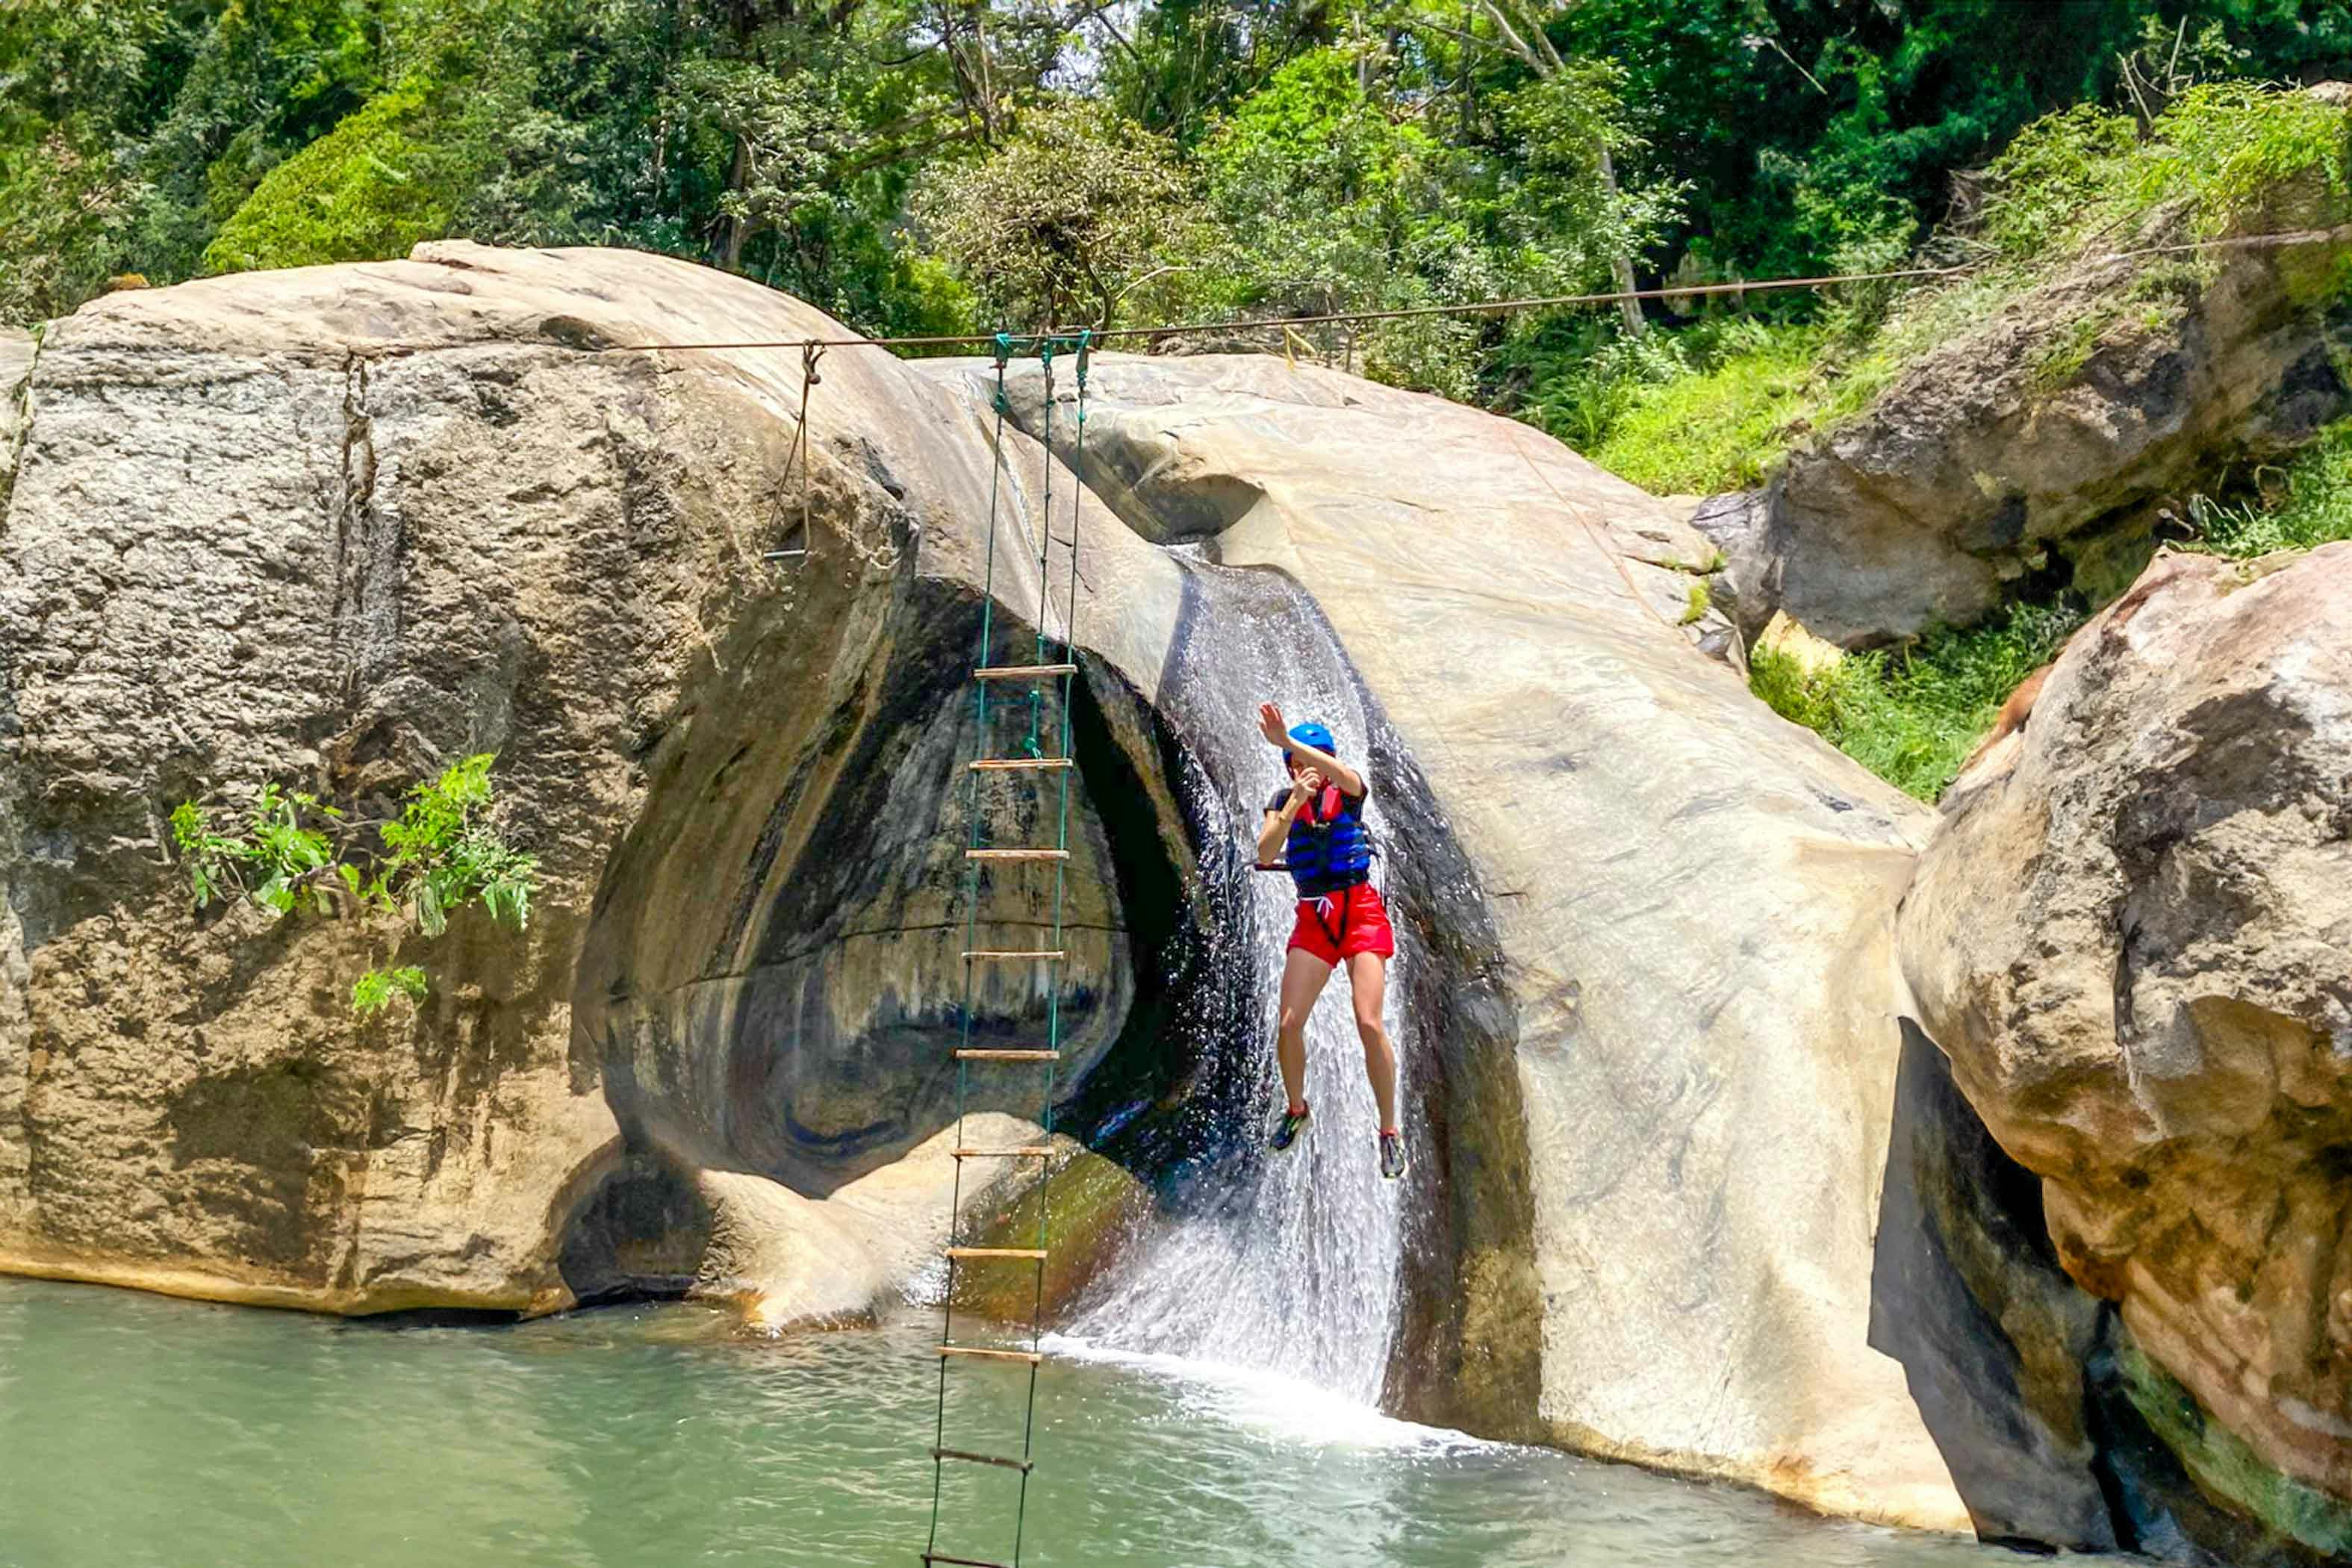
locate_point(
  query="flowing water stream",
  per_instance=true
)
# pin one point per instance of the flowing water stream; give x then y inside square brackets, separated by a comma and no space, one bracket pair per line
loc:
[1287,1262]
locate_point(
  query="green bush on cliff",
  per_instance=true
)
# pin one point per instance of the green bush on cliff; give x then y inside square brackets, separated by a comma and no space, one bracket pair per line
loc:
[371,188]
[1911,715]
[290,852]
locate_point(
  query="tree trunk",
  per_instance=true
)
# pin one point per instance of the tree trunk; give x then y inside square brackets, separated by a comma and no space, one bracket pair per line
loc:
[739,229]
[1621,265]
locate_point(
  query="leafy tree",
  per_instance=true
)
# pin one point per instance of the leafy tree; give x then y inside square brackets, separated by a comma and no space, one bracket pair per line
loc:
[1065,221]
[1294,155]
[1172,66]
[1326,202]
[290,852]
[64,182]
[1333,195]
[1523,27]
[260,82]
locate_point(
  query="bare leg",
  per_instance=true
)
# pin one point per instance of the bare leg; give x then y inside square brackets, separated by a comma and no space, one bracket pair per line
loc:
[1303,978]
[1368,976]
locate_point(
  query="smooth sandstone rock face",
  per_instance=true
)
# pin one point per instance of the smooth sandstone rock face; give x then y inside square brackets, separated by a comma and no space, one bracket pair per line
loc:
[338,526]
[346,522]
[2130,936]
[1666,1077]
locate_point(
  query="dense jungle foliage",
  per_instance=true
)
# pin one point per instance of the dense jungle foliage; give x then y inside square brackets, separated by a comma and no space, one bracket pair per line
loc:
[920,166]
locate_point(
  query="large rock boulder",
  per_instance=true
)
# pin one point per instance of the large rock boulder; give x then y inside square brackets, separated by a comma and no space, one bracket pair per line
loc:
[339,524]
[2055,440]
[2130,935]
[1659,919]
[332,528]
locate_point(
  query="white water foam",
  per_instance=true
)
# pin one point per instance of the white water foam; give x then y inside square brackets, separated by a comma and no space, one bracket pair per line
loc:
[1288,1409]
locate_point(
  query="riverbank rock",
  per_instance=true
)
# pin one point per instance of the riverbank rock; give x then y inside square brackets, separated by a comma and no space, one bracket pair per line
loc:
[334,528]
[2129,935]
[790,1261]
[2054,443]
[338,525]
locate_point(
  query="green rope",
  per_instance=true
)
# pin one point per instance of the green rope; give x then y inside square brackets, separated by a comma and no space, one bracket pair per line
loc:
[1035,743]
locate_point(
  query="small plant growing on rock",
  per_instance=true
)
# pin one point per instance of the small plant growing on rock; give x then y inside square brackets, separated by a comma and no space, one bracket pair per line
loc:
[291,851]
[371,993]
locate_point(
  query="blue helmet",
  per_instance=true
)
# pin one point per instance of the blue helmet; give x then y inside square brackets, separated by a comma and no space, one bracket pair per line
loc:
[1317,736]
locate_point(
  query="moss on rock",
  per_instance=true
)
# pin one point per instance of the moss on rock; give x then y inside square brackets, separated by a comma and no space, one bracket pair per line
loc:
[1092,1205]
[2225,1467]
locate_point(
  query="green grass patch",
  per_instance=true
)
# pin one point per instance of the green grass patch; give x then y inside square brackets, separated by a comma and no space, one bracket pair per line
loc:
[1721,428]
[1913,715]
[2062,359]
[2308,503]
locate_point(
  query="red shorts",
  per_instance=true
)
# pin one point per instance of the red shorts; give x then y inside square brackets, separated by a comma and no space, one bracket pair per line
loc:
[1338,926]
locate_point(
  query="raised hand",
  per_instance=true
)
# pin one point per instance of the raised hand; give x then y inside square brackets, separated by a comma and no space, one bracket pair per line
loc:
[1270,725]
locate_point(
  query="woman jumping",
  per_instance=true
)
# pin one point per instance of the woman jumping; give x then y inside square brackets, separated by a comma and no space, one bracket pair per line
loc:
[1316,824]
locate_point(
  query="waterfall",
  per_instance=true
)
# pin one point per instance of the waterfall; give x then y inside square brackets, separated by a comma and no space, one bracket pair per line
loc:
[1285,1262]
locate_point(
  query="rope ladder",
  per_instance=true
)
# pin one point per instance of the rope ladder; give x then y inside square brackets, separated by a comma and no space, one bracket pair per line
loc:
[1042,753]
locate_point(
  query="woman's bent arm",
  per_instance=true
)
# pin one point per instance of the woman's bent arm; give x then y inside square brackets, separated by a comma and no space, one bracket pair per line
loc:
[1273,831]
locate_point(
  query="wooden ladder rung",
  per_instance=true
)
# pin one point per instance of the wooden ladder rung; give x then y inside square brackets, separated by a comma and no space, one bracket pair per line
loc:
[987,1054]
[943,1557]
[1031,1357]
[1022,1152]
[1022,671]
[1011,764]
[1017,854]
[1036,1253]
[1023,1466]
[1039,952]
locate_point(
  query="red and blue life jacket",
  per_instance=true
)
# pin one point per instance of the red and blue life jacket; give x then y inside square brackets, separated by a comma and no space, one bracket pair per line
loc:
[1329,848]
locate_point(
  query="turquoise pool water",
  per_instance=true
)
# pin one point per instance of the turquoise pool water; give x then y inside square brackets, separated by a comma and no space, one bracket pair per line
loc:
[141,1431]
